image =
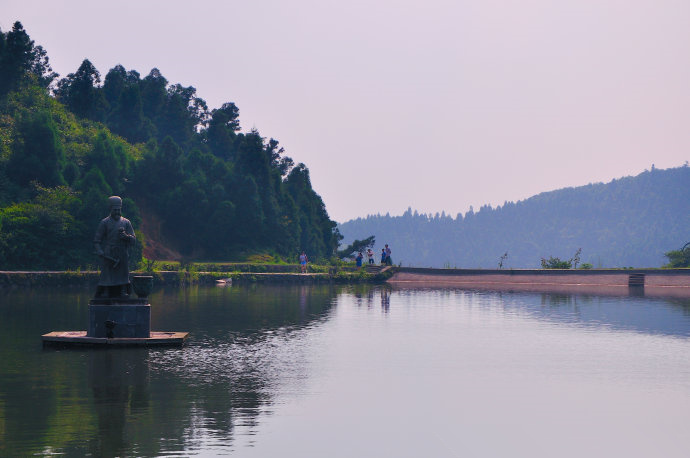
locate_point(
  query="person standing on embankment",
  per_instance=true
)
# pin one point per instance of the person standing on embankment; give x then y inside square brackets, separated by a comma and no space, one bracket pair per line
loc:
[303,262]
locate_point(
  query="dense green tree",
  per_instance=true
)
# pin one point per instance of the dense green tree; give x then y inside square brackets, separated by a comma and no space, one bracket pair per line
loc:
[678,258]
[221,134]
[127,116]
[22,61]
[249,212]
[153,94]
[116,80]
[287,237]
[220,234]
[182,115]
[555,263]
[168,164]
[318,231]
[41,234]
[112,160]
[93,186]
[40,67]
[80,91]
[15,52]
[37,152]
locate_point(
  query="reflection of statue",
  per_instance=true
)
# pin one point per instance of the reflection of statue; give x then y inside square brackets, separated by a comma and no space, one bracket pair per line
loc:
[113,239]
[120,384]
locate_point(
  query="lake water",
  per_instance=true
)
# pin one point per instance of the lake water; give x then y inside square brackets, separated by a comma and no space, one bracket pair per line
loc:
[353,372]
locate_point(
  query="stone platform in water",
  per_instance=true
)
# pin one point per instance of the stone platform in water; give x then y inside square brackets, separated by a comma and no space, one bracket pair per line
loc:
[118,322]
[160,338]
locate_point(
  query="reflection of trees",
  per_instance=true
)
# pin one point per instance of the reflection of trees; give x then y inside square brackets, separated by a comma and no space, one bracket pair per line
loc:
[560,299]
[34,384]
[250,343]
[556,299]
[246,344]
[252,307]
[682,304]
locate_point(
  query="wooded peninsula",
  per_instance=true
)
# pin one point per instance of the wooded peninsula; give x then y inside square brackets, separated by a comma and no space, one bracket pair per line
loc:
[194,185]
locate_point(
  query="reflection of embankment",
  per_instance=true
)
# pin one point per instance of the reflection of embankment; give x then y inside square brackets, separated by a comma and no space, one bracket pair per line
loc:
[667,283]
[650,315]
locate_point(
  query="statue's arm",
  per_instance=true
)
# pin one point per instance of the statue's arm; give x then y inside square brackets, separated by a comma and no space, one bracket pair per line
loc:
[129,233]
[98,239]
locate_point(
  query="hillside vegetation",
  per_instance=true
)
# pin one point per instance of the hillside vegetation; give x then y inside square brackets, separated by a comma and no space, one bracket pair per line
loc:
[628,222]
[199,187]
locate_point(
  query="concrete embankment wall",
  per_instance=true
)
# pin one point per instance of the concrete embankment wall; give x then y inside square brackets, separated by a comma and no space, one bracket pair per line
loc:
[656,281]
[47,278]
[10,279]
[674,282]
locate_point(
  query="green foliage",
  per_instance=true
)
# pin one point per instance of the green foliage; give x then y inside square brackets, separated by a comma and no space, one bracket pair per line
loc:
[22,62]
[148,265]
[37,153]
[213,191]
[678,258]
[80,93]
[357,246]
[585,266]
[555,263]
[43,233]
[261,258]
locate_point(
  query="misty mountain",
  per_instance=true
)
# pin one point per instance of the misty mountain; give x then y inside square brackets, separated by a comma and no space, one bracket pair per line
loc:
[629,222]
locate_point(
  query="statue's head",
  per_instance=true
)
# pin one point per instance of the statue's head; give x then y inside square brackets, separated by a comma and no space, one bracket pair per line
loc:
[115,203]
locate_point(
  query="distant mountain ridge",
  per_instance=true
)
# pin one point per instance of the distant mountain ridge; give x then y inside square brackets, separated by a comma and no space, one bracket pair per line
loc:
[628,222]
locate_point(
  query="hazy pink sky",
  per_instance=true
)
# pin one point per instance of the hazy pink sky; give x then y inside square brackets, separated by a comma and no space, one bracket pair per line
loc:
[437,105]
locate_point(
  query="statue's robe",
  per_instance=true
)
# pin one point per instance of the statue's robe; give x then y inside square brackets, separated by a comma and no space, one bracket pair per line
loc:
[108,238]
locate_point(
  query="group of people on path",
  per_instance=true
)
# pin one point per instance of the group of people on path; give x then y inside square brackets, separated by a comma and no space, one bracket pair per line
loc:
[385,257]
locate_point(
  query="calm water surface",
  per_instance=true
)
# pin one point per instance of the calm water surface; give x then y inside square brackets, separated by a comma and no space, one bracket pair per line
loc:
[353,371]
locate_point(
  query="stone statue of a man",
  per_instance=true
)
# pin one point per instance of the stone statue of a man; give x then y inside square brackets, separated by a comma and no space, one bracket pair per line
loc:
[112,242]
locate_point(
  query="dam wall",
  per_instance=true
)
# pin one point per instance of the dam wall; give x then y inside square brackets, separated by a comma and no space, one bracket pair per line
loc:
[674,282]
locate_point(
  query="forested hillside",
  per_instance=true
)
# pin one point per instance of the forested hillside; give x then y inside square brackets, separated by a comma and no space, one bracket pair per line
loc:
[629,222]
[196,184]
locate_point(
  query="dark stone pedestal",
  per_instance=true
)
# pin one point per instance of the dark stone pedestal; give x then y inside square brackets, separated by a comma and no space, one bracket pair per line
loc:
[117,318]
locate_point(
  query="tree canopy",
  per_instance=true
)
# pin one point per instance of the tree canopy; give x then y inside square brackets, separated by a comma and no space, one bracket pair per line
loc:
[356,247]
